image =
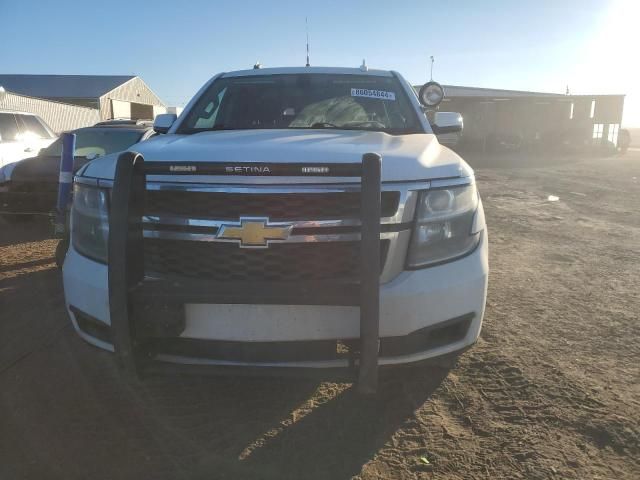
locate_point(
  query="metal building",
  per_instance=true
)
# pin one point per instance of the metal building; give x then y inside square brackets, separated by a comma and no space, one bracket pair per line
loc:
[113,96]
[59,116]
[513,119]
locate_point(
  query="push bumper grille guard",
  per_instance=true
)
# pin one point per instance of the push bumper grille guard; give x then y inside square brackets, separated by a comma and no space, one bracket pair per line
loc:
[127,283]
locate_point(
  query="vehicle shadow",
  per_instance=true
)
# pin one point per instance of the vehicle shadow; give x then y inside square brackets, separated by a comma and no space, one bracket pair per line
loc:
[326,431]
[337,438]
[237,427]
[31,307]
[69,403]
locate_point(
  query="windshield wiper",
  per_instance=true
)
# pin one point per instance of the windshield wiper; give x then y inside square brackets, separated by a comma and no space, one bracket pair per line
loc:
[368,123]
[216,127]
[370,126]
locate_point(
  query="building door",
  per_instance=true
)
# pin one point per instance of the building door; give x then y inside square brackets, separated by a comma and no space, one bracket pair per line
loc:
[140,111]
[120,109]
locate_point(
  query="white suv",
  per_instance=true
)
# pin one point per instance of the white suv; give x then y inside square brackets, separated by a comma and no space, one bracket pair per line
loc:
[246,233]
[22,135]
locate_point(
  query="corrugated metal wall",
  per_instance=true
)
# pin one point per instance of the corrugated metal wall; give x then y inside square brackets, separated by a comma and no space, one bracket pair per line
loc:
[135,91]
[59,116]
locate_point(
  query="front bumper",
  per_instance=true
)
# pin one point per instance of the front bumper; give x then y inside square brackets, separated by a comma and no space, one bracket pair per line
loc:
[413,306]
[41,199]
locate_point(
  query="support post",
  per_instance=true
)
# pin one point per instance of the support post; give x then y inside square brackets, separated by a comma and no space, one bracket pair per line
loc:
[369,273]
[124,249]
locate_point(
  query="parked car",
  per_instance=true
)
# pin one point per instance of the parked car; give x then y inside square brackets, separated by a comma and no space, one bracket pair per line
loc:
[124,121]
[22,135]
[31,185]
[249,248]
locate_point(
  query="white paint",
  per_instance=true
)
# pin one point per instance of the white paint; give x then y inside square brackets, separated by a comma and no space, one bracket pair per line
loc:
[412,301]
[120,109]
[404,157]
[159,109]
[408,302]
[65,177]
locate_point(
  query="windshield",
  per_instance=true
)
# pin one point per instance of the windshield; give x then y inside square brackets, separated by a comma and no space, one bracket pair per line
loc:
[353,102]
[96,142]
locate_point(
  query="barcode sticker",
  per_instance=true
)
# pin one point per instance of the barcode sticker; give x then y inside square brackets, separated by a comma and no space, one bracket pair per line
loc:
[365,92]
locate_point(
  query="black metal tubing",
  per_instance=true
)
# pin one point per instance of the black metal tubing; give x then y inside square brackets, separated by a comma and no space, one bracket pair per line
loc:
[192,290]
[126,255]
[369,273]
[125,244]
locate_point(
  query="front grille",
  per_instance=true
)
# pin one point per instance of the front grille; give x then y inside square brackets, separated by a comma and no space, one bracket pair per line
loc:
[220,261]
[279,206]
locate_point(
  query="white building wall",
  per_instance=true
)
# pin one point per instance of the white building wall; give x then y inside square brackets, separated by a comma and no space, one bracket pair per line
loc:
[158,109]
[59,116]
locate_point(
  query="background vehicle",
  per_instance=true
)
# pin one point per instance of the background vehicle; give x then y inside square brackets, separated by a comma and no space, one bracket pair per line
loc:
[22,135]
[31,185]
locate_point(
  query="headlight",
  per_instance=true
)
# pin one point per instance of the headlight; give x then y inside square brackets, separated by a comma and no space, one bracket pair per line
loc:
[444,228]
[90,222]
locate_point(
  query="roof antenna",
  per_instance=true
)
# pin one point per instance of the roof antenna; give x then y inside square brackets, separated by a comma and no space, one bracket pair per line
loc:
[432,60]
[306,25]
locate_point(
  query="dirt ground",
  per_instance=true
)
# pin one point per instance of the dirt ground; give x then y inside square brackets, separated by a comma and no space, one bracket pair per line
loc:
[551,390]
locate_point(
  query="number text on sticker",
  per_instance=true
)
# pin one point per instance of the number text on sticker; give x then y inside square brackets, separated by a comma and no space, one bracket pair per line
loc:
[365,92]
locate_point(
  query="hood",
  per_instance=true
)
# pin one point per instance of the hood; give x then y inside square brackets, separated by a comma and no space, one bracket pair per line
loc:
[404,157]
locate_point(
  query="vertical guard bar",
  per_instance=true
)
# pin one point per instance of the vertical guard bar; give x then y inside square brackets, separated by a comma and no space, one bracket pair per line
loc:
[124,253]
[369,273]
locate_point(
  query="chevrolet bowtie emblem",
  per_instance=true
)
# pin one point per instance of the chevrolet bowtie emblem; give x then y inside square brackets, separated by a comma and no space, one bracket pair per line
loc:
[254,232]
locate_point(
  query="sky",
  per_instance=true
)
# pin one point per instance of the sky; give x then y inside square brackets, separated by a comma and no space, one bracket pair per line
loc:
[175,46]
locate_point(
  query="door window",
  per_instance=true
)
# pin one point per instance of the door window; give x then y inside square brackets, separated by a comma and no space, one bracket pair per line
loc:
[8,128]
[32,128]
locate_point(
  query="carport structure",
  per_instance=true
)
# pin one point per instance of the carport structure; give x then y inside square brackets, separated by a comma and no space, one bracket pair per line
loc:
[114,96]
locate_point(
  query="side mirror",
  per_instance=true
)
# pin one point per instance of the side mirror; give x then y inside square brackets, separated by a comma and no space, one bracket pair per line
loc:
[163,122]
[447,122]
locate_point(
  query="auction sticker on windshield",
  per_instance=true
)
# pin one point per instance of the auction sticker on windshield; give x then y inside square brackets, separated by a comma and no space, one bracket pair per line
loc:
[365,92]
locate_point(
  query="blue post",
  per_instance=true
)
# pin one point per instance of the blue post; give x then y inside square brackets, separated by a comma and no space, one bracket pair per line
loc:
[65,180]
